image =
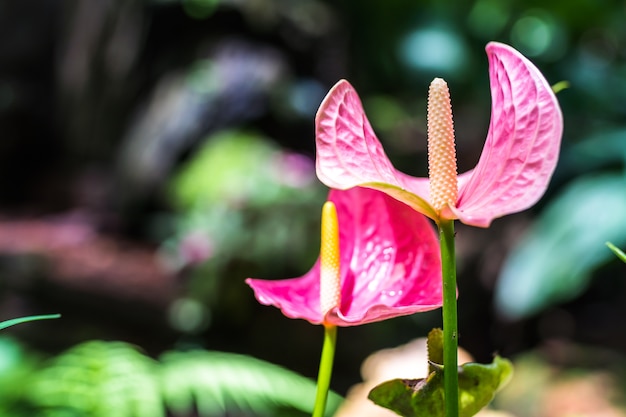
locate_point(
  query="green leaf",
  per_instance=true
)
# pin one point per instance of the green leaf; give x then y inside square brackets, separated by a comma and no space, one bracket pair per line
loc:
[99,379]
[617,251]
[478,385]
[214,382]
[13,322]
[435,349]
[104,379]
[555,260]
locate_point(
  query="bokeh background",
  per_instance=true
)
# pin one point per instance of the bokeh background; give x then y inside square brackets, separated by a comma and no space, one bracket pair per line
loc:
[155,153]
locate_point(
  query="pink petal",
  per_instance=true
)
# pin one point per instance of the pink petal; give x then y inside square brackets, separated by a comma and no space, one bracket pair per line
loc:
[522,145]
[390,265]
[297,298]
[349,154]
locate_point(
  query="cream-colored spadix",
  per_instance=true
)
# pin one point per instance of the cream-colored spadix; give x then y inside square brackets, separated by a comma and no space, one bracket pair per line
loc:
[442,172]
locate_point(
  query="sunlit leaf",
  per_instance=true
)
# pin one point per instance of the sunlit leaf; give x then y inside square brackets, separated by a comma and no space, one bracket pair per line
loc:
[104,379]
[17,365]
[99,379]
[554,261]
[215,382]
[435,349]
[478,384]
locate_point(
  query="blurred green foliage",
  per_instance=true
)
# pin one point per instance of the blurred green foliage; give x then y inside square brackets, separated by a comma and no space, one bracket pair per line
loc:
[241,169]
[557,256]
[97,379]
[240,199]
[17,365]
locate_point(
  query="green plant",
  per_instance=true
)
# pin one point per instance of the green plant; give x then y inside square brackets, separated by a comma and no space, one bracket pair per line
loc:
[103,379]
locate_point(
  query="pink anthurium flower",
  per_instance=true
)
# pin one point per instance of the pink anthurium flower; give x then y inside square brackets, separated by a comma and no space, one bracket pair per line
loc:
[513,171]
[386,261]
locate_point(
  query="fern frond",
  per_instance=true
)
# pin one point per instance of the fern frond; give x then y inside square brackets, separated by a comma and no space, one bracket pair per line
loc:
[218,381]
[99,379]
[113,379]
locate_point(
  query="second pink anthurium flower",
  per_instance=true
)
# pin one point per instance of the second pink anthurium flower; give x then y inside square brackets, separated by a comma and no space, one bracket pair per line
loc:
[513,171]
[386,262]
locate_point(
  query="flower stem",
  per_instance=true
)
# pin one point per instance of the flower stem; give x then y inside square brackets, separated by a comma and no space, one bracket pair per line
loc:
[326,369]
[450,332]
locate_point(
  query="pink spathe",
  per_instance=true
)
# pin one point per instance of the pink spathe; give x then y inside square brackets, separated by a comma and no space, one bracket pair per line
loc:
[516,164]
[389,265]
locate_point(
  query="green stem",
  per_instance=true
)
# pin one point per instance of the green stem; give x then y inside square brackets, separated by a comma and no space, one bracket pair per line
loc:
[326,369]
[450,332]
